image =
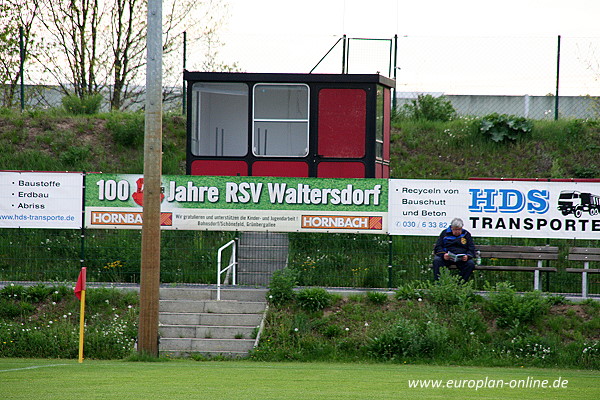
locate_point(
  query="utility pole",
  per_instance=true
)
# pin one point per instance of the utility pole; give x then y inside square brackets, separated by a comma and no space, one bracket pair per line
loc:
[150,266]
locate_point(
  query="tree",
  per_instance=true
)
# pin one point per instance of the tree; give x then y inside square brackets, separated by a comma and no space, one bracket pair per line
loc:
[15,15]
[74,28]
[128,27]
[99,46]
[128,44]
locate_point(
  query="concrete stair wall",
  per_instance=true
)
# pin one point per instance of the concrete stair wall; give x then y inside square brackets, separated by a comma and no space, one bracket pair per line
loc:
[191,320]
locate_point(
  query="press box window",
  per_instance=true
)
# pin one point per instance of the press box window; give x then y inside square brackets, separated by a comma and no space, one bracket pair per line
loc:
[379,118]
[220,119]
[280,120]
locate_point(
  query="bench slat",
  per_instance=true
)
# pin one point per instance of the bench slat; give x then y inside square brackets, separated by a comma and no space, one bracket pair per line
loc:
[513,268]
[584,250]
[584,257]
[589,270]
[519,255]
[527,249]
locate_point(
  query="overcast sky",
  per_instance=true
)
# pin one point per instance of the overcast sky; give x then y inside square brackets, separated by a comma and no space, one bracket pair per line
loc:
[291,36]
[422,17]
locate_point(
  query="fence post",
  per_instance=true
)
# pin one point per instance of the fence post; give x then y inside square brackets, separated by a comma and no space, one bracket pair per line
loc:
[390,260]
[22,66]
[394,100]
[344,71]
[557,79]
[183,88]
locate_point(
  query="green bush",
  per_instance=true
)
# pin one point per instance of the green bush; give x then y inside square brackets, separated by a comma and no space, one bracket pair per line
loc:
[313,299]
[450,290]
[410,291]
[87,105]
[281,287]
[38,293]
[13,292]
[399,341]
[512,309]
[429,108]
[127,129]
[501,127]
[377,297]
[10,309]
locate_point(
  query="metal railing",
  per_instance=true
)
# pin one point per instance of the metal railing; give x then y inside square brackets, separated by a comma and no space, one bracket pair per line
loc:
[231,267]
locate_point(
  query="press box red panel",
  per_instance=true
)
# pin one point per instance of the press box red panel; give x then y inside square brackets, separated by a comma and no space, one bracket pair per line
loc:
[296,125]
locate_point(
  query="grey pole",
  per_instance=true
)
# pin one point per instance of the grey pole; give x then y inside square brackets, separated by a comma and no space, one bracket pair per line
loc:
[184,92]
[22,66]
[557,79]
[150,265]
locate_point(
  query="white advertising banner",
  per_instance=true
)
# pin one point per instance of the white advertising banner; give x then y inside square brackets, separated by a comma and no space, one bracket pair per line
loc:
[41,200]
[496,208]
[242,203]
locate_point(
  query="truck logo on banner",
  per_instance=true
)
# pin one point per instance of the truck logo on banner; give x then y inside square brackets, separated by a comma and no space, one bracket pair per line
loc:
[496,208]
[576,203]
[242,203]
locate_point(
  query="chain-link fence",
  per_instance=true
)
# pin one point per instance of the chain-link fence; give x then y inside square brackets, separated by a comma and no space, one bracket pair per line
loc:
[331,260]
[479,75]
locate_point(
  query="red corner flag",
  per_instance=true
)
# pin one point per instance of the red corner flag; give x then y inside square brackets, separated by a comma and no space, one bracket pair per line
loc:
[80,286]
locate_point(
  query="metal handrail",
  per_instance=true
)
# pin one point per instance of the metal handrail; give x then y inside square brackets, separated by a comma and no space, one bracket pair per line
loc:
[232,265]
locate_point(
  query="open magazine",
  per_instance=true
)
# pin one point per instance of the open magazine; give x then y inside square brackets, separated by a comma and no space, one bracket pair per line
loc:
[455,257]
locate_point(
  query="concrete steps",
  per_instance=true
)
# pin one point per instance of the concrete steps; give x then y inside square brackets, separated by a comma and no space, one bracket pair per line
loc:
[192,321]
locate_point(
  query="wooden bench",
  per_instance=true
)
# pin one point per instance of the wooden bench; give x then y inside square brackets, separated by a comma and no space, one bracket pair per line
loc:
[585,254]
[538,253]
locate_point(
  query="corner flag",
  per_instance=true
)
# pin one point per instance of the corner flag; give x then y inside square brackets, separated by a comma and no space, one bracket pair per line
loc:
[80,293]
[80,286]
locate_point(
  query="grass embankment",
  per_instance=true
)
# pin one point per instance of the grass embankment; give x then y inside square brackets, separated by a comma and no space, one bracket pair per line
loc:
[445,323]
[113,142]
[457,150]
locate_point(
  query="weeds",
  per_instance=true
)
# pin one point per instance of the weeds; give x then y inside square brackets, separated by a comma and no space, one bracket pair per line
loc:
[43,321]
[420,326]
[281,287]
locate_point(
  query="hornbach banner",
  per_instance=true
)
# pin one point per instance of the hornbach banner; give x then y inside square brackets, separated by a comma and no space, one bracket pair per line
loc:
[492,208]
[242,203]
[41,200]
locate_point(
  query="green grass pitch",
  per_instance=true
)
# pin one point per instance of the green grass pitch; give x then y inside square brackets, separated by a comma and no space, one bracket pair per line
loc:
[182,379]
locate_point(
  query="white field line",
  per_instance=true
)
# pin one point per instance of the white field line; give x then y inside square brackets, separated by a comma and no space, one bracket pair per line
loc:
[32,367]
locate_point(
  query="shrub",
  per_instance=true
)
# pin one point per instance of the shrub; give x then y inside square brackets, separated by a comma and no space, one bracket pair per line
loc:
[38,293]
[75,156]
[429,108]
[10,309]
[12,291]
[281,287]
[450,290]
[127,129]
[513,309]
[410,291]
[313,299]
[502,126]
[402,340]
[377,297]
[87,105]
[331,331]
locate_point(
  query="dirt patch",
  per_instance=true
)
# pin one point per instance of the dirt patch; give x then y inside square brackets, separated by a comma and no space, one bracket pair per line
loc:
[570,310]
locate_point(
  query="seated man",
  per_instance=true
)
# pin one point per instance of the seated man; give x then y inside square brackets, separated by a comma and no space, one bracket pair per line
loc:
[454,246]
